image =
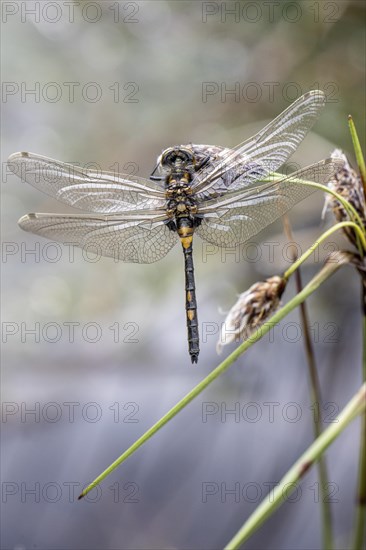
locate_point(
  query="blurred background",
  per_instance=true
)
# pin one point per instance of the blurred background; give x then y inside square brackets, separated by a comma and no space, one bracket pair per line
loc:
[94,351]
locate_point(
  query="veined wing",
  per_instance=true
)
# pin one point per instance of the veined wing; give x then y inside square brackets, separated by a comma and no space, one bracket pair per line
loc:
[101,192]
[201,151]
[236,217]
[135,238]
[263,153]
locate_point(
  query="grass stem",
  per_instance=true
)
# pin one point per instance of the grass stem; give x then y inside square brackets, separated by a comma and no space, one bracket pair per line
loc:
[358,151]
[315,400]
[324,274]
[356,406]
[322,238]
[360,520]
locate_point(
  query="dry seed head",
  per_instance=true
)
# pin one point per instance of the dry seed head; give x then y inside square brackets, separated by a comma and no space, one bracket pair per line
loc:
[348,184]
[252,308]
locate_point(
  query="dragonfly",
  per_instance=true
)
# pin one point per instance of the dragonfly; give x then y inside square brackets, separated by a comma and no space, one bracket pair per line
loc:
[223,195]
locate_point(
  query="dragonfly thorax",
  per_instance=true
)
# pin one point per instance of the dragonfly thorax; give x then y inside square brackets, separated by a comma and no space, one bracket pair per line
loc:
[178,191]
[179,201]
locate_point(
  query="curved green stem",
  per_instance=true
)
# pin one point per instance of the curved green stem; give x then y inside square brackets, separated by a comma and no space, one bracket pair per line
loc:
[327,270]
[356,406]
[353,214]
[322,238]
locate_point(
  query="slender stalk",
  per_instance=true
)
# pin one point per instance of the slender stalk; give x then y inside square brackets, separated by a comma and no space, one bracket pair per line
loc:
[316,400]
[326,272]
[288,483]
[322,238]
[349,208]
[360,520]
[358,151]
[315,396]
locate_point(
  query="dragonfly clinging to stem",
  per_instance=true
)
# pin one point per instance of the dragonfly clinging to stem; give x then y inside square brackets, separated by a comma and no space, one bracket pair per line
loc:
[223,195]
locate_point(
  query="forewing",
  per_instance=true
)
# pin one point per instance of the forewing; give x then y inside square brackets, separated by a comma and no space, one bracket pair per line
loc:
[236,217]
[265,152]
[134,239]
[100,192]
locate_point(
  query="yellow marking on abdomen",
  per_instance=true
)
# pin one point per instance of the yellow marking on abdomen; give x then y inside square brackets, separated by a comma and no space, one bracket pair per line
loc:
[186,236]
[186,241]
[185,231]
[189,296]
[190,314]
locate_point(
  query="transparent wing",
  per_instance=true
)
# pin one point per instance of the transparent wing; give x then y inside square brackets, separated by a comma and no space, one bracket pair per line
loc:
[201,151]
[236,217]
[134,239]
[101,192]
[265,152]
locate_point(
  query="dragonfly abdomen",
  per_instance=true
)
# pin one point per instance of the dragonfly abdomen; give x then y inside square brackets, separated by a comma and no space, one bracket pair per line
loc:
[185,229]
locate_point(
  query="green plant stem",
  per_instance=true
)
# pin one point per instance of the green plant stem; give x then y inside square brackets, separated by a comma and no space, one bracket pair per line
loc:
[325,272]
[322,238]
[360,520]
[315,400]
[288,483]
[353,214]
[358,151]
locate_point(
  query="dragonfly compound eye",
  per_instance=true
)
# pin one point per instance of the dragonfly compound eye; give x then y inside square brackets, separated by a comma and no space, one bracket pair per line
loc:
[177,156]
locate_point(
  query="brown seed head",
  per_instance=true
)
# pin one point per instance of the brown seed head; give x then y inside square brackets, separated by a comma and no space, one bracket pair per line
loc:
[348,184]
[252,308]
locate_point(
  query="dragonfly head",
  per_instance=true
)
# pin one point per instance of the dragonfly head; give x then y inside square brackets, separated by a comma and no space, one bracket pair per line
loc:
[176,157]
